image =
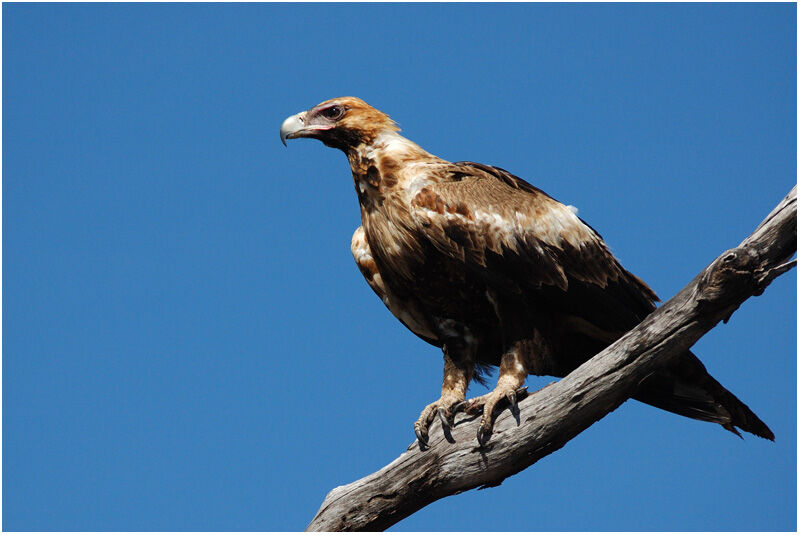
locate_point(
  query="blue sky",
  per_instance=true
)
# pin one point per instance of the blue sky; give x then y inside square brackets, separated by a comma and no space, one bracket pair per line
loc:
[188,344]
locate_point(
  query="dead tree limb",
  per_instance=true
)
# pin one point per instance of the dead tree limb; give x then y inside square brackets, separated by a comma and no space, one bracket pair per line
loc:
[549,418]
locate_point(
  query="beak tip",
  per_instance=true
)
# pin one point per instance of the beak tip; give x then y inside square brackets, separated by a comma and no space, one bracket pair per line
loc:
[290,126]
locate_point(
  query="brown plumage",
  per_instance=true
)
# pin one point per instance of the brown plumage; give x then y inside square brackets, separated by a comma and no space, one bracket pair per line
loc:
[495,272]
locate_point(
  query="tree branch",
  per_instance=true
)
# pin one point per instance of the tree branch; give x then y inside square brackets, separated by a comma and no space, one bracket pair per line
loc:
[549,418]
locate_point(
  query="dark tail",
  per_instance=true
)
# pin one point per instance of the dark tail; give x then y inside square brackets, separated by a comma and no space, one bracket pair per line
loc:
[687,389]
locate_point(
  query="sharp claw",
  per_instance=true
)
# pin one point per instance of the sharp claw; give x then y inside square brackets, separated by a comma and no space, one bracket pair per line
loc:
[451,421]
[512,399]
[458,407]
[421,435]
[443,417]
[429,418]
[483,435]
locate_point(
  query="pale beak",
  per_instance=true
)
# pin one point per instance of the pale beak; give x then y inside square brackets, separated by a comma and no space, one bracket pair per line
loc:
[292,126]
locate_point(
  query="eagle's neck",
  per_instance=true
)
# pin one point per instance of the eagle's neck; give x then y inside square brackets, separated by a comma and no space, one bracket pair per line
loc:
[384,165]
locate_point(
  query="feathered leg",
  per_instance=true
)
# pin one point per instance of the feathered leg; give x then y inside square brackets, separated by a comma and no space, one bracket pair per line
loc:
[457,375]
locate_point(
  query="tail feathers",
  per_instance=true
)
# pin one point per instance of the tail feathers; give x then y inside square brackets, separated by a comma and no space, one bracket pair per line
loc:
[687,389]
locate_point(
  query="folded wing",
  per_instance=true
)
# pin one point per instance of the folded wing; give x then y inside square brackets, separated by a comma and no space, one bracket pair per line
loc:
[524,242]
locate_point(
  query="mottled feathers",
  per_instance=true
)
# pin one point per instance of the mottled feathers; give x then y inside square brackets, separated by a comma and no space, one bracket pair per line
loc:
[493,270]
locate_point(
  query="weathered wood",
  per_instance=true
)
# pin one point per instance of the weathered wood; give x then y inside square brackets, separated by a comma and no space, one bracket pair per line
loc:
[549,418]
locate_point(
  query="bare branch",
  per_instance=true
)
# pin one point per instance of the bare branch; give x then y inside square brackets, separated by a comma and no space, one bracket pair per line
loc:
[551,417]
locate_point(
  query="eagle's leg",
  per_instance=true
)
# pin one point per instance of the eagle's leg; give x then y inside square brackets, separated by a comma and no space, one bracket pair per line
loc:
[457,375]
[509,383]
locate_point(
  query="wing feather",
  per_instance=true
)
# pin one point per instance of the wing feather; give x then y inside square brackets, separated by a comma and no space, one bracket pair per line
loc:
[522,240]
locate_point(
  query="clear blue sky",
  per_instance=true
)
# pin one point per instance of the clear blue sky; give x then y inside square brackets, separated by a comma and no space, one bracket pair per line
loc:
[188,344]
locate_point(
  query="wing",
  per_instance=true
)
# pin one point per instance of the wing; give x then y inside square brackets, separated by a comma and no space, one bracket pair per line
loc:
[406,312]
[523,241]
[366,264]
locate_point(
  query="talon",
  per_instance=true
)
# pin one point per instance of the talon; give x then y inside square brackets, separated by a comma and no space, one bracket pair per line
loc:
[445,409]
[451,414]
[483,434]
[422,435]
[512,399]
[444,417]
[451,421]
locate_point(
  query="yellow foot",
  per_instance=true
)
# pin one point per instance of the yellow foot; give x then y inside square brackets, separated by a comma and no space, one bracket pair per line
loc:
[488,403]
[446,408]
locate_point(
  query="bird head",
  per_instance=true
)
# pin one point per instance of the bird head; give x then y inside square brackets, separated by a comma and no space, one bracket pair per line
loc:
[343,123]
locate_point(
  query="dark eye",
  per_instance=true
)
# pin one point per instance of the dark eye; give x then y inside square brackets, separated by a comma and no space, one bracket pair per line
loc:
[334,112]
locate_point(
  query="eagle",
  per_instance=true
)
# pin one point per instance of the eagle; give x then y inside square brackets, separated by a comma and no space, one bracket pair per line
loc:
[494,272]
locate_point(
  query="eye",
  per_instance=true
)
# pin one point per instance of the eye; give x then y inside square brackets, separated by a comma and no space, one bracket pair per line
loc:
[334,112]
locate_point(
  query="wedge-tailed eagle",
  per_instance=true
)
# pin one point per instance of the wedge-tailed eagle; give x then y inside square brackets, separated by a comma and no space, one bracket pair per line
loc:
[495,272]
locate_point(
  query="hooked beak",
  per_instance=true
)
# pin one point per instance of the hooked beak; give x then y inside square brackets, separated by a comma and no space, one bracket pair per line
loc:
[295,126]
[291,126]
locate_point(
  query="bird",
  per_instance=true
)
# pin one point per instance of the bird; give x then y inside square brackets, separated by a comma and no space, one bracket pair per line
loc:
[496,273]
